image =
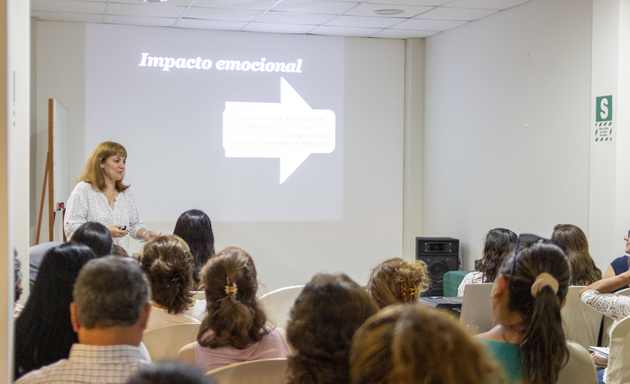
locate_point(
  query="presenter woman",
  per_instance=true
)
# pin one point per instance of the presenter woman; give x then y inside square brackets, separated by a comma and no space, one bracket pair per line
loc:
[101,196]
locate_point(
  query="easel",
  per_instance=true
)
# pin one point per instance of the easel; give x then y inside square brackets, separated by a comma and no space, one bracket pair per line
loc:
[49,176]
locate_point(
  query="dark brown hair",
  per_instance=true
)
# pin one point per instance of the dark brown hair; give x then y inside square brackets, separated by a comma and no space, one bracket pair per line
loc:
[498,244]
[543,349]
[93,173]
[409,343]
[583,268]
[234,316]
[398,281]
[167,263]
[323,320]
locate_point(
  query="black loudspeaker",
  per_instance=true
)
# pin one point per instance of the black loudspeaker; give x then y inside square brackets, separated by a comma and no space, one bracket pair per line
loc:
[441,254]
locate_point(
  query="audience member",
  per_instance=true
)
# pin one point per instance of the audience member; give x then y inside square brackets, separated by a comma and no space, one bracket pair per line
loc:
[170,372]
[573,240]
[43,331]
[322,322]
[17,278]
[36,254]
[109,313]
[195,228]
[167,263]
[411,343]
[498,244]
[96,236]
[620,264]
[398,281]
[599,296]
[234,329]
[119,251]
[526,299]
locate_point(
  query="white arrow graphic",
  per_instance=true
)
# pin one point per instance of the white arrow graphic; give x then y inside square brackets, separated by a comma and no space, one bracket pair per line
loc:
[289,130]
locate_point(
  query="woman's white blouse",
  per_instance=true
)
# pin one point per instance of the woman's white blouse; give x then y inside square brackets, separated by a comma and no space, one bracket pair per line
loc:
[87,203]
[610,304]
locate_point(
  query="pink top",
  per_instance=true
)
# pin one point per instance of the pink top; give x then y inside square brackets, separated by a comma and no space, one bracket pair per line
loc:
[271,346]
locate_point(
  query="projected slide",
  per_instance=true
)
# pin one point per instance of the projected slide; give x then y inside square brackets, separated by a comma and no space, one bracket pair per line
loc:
[247,127]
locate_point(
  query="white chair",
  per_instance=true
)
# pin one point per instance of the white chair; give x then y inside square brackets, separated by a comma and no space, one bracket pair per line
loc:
[268,371]
[277,304]
[617,371]
[165,342]
[187,353]
[476,310]
[580,322]
[199,295]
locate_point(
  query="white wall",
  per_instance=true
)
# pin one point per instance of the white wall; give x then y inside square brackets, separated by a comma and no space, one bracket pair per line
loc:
[507,124]
[286,253]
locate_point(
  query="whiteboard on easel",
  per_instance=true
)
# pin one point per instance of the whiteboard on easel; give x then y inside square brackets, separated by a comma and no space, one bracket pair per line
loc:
[60,155]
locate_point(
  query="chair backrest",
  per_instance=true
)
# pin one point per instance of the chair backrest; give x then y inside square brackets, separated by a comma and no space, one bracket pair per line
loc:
[165,342]
[277,304]
[476,310]
[187,353]
[199,295]
[580,322]
[268,371]
[617,371]
[451,282]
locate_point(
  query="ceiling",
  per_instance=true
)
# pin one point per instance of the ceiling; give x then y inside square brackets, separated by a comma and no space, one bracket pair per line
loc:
[420,18]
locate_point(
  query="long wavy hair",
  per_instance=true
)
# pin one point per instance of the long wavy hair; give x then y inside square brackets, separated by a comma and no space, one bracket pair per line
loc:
[43,331]
[234,317]
[498,244]
[398,281]
[543,349]
[583,268]
[93,173]
[411,343]
[322,322]
[167,263]
[195,228]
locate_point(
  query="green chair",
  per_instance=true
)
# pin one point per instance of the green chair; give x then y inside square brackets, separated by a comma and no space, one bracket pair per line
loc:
[452,279]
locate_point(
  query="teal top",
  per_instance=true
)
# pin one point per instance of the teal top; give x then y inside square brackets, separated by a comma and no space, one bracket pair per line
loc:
[508,357]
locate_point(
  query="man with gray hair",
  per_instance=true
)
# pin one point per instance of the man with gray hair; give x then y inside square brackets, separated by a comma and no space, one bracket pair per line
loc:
[109,313]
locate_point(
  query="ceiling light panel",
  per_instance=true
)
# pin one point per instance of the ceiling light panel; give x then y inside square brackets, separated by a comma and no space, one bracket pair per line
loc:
[368,10]
[67,6]
[278,28]
[221,14]
[488,4]
[181,3]
[465,14]
[134,20]
[145,10]
[429,25]
[258,5]
[210,24]
[342,31]
[427,3]
[367,22]
[66,16]
[310,6]
[294,18]
[403,34]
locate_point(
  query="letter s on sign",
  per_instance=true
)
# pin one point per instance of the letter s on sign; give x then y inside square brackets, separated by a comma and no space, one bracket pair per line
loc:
[604,107]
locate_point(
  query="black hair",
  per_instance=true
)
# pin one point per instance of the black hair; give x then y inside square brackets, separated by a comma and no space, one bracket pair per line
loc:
[96,236]
[195,228]
[43,331]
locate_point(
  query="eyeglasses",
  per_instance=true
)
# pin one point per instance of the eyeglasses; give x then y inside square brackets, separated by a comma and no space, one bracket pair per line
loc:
[523,241]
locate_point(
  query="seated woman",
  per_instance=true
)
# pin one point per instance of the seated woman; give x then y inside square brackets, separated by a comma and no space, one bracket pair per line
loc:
[583,268]
[620,264]
[96,236]
[167,263]
[526,299]
[498,243]
[234,329]
[398,281]
[412,343]
[43,331]
[600,296]
[322,323]
[195,228]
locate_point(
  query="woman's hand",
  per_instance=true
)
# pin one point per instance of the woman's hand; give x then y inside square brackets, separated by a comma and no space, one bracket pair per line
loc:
[147,235]
[116,231]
